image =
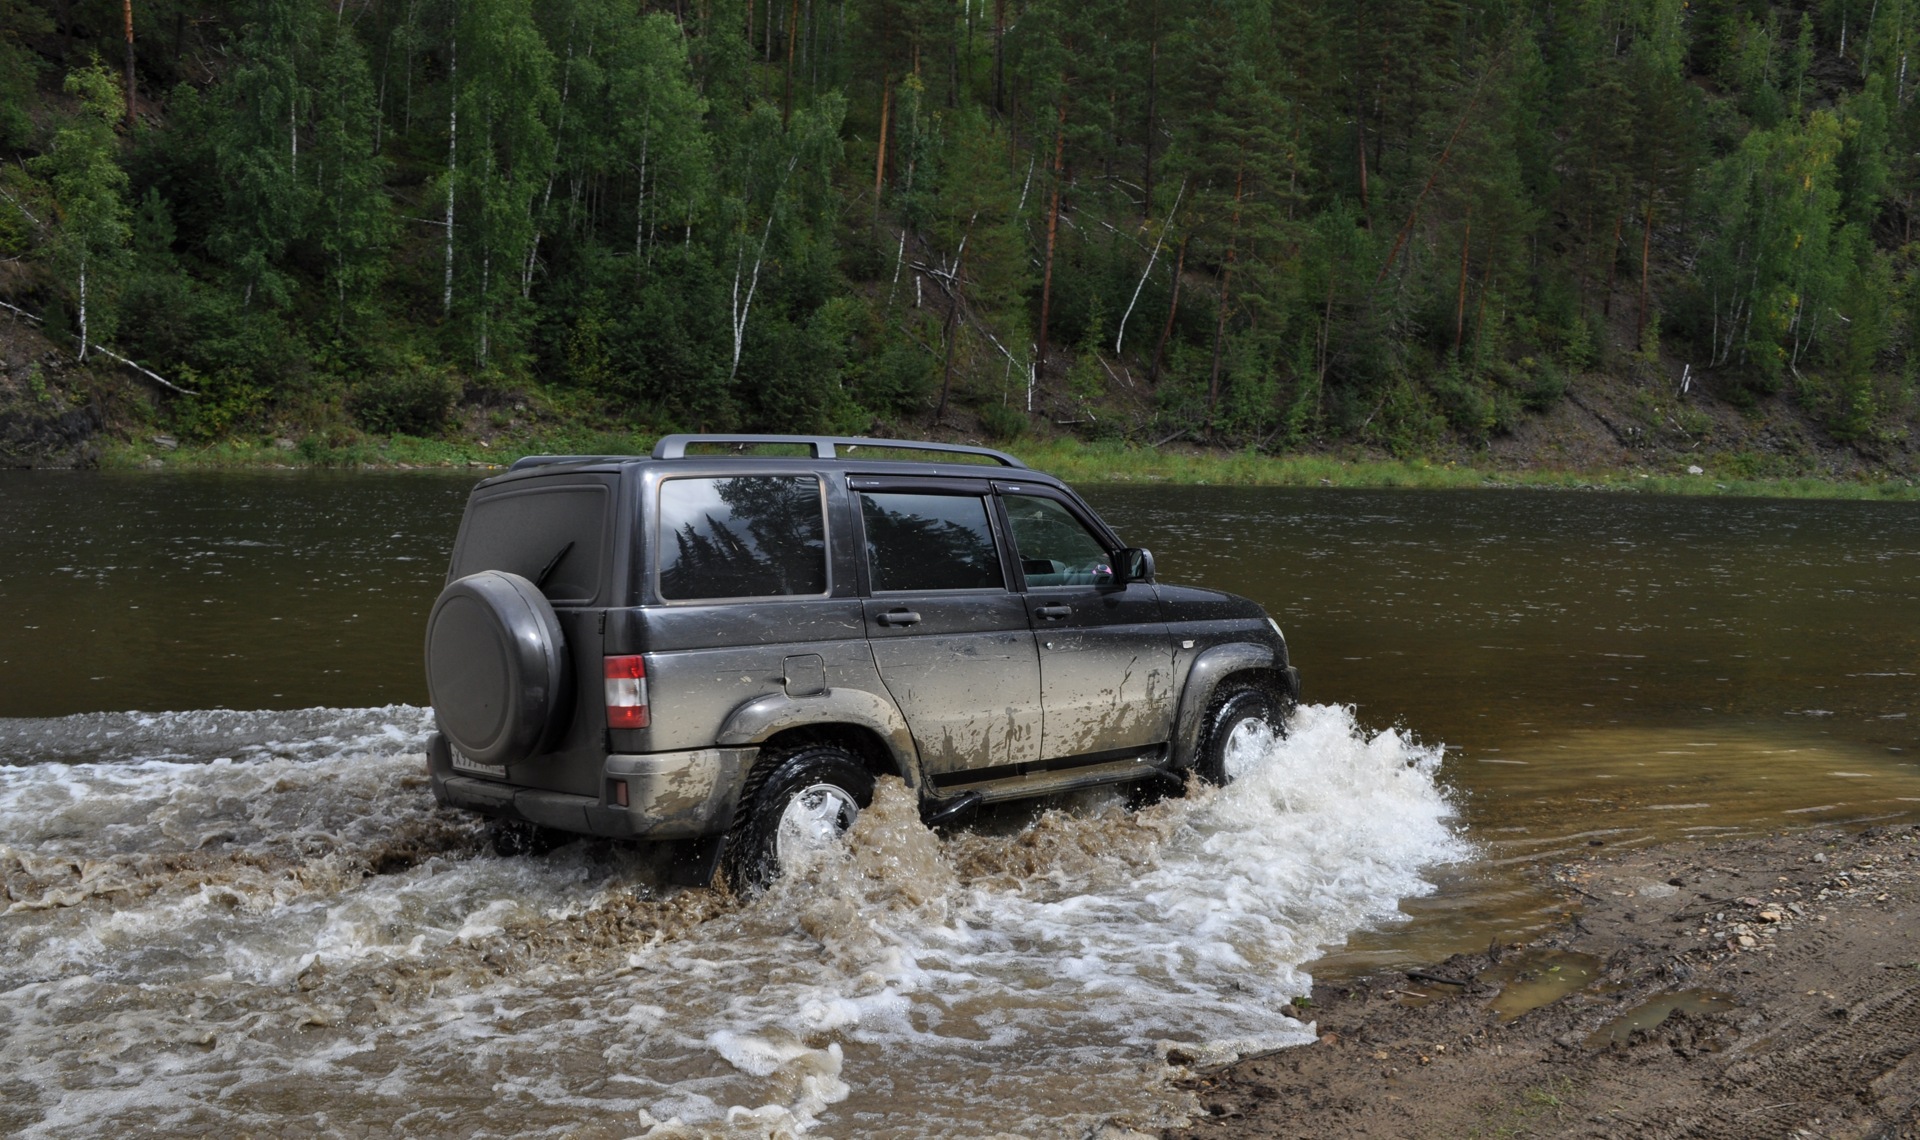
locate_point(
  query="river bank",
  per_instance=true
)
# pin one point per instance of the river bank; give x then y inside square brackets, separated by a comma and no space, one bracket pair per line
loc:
[1073,460]
[1761,986]
[1615,432]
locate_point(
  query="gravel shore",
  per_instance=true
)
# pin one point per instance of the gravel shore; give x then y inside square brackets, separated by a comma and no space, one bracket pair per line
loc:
[1749,987]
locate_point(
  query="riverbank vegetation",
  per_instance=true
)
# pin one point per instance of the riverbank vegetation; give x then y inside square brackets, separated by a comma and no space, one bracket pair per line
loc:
[1070,459]
[1403,230]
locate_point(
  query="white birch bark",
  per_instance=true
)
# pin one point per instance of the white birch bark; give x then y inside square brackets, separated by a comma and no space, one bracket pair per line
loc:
[453,144]
[1120,334]
[83,308]
[741,308]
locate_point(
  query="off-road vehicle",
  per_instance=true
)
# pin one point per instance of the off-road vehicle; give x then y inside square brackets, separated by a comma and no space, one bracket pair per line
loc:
[724,644]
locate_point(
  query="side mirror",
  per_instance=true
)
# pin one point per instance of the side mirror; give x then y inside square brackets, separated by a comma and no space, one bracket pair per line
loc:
[1133,564]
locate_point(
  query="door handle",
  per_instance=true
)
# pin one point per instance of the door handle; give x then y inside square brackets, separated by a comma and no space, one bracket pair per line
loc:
[900,617]
[1054,613]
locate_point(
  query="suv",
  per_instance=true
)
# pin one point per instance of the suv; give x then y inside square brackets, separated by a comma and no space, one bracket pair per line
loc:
[775,631]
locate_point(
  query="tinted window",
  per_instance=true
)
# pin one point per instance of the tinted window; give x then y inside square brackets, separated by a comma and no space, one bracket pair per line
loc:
[752,536]
[527,530]
[930,542]
[1055,550]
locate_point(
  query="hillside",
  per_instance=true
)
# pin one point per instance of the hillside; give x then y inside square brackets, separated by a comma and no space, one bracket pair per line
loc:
[1585,237]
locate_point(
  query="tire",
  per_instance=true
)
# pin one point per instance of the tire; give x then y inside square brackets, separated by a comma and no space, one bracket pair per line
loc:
[497,667]
[1238,706]
[793,800]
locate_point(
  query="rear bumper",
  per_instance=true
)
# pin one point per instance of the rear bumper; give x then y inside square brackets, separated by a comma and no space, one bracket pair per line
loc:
[670,795]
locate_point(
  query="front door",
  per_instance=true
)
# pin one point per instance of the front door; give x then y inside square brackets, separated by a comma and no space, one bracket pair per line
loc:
[952,641]
[1106,657]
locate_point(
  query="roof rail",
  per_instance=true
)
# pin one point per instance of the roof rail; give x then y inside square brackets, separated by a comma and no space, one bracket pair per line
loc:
[825,446]
[526,461]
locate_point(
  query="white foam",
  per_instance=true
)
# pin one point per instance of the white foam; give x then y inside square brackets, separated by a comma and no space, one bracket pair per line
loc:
[199,944]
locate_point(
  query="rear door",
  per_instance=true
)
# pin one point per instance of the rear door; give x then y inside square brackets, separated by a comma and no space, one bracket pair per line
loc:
[952,639]
[1106,655]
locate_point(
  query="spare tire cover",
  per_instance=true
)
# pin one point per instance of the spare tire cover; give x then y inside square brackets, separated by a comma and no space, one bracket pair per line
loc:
[497,668]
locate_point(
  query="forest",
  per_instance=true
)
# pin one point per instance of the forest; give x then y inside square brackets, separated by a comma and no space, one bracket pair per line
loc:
[1259,223]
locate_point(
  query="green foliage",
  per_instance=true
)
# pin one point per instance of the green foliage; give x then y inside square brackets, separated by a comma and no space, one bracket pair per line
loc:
[1255,223]
[19,67]
[1001,423]
[415,399]
[91,224]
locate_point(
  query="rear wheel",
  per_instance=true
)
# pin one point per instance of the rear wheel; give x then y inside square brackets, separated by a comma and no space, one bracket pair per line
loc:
[1242,713]
[795,805]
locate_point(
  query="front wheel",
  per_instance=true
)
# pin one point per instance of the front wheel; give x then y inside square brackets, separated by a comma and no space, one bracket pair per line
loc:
[795,805]
[1236,720]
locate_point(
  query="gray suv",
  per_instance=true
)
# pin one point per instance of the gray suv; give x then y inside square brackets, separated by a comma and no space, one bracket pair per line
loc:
[776,621]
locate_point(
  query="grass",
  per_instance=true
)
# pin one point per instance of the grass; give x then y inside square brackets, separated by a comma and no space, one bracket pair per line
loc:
[1070,459]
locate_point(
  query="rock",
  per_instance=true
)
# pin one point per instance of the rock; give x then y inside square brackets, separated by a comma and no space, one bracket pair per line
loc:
[284,444]
[1819,856]
[165,442]
[1771,914]
[1747,941]
[1696,469]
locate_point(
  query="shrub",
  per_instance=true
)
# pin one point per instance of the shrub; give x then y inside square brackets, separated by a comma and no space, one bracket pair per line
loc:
[415,399]
[1003,424]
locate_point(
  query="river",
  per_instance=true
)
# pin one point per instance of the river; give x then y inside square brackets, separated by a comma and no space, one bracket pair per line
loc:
[230,906]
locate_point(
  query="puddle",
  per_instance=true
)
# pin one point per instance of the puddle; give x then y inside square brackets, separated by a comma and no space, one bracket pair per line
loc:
[1538,977]
[1650,1013]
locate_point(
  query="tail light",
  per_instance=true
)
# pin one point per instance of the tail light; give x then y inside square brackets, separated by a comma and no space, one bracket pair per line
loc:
[627,692]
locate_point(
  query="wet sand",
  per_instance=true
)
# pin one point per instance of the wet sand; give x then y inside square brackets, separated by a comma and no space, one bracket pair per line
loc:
[1794,961]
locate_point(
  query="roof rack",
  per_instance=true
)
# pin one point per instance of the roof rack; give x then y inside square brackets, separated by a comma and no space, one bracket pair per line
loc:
[825,446]
[526,461]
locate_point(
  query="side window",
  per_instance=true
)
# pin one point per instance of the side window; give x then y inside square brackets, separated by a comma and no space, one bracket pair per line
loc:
[1055,550]
[750,536]
[930,542]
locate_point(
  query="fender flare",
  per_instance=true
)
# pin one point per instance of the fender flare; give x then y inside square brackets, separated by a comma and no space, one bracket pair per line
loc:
[753,722]
[1202,678]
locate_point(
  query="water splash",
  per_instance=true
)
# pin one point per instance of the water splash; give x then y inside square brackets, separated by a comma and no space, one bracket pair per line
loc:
[214,923]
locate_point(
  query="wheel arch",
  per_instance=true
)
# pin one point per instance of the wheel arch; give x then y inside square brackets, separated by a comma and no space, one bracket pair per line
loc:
[1217,666]
[863,723]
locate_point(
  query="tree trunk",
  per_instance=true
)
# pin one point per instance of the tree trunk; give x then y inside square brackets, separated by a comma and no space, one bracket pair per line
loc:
[1646,245]
[1153,68]
[1120,334]
[793,32]
[1173,310]
[1460,302]
[880,163]
[1613,263]
[83,309]
[453,142]
[127,8]
[1226,287]
[1000,56]
[1053,225]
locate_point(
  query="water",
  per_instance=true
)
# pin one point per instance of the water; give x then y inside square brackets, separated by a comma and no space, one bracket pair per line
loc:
[246,916]
[290,939]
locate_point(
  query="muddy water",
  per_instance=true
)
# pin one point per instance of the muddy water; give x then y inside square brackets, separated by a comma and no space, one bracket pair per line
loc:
[251,920]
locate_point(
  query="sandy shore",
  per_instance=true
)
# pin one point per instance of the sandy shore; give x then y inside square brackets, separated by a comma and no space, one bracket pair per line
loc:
[1787,969]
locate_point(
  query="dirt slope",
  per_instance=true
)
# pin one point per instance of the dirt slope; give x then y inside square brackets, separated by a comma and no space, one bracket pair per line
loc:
[1801,954]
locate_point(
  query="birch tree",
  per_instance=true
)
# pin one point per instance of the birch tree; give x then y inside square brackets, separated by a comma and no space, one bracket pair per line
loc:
[266,103]
[92,227]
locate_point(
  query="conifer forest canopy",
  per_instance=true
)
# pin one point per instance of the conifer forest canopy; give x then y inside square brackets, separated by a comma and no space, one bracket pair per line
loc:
[1261,221]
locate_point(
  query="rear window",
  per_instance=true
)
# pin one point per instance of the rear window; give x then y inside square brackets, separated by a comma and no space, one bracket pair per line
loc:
[747,536]
[559,531]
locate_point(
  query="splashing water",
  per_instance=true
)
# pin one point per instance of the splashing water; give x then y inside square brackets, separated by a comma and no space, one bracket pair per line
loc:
[210,929]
